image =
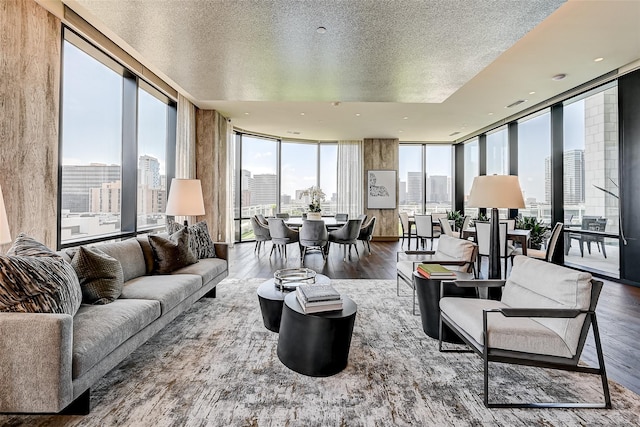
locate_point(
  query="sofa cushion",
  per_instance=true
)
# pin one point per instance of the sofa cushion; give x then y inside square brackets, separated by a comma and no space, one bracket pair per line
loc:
[100,329]
[170,290]
[99,274]
[508,333]
[538,284]
[171,254]
[207,268]
[130,255]
[36,280]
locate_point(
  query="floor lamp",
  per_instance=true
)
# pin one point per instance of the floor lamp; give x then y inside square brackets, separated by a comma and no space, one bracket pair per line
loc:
[185,198]
[5,235]
[494,192]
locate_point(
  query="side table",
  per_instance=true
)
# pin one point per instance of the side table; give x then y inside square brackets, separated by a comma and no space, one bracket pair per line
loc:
[315,344]
[271,299]
[428,291]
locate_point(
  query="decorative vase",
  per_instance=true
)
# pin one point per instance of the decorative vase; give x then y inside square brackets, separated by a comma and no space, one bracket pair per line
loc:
[315,216]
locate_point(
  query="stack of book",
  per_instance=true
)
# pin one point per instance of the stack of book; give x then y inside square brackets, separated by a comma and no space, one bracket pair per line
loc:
[435,271]
[318,298]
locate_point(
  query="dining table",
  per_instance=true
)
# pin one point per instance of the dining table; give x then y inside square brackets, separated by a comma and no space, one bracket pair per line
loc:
[330,222]
[517,235]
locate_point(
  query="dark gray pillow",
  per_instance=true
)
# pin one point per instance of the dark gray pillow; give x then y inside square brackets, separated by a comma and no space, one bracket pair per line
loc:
[100,275]
[36,280]
[171,254]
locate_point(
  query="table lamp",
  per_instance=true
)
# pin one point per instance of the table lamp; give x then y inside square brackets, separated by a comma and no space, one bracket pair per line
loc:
[494,192]
[5,235]
[185,198]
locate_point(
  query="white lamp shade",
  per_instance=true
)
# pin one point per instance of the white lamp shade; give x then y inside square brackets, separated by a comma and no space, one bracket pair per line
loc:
[185,198]
[5,236]
[496,191]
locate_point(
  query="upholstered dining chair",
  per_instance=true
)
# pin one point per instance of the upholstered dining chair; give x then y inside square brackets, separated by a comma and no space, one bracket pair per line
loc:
[483,238]
[552,245]
[542,320]
[366,233]
[445,226]
[313,235]
[261,232]
[425,230]
[281,235]
[406,228]
[342,217]
[284,216]
[347,235]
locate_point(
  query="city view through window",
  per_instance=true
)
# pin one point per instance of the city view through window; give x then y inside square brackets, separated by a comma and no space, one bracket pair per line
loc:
[91,184]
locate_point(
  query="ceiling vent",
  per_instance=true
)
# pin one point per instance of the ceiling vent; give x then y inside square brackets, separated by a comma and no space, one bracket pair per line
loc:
[518,102]
[293,132]
[454,133]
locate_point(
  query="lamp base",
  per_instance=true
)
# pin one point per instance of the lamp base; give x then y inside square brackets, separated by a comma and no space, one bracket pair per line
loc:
[494,246]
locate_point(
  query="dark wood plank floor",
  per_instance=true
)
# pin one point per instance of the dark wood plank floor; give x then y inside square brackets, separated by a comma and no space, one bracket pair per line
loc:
[618,308]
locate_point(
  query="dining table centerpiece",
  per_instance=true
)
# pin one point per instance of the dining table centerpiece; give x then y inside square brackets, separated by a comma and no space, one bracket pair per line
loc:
[316,196]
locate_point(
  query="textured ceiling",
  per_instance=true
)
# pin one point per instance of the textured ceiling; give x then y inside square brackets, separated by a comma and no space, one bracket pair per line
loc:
[415,70]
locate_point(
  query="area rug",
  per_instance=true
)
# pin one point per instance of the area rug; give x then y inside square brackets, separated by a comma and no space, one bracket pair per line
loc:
[216,365]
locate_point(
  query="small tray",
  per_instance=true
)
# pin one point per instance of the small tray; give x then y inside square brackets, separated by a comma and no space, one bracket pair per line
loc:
[291,278]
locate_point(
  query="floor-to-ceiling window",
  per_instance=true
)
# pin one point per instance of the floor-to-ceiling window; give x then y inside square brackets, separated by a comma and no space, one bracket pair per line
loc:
[438,180]
[113,179]
[534,163]
[498,152]
[329,176]
[590,181]
[411,179]
[298,171]
[471,170]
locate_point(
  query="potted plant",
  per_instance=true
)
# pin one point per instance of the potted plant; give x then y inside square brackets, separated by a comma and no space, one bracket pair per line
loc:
[537,228]
[316,196]
[456,217]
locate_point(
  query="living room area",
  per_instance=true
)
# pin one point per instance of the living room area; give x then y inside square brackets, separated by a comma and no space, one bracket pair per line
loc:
[286,119]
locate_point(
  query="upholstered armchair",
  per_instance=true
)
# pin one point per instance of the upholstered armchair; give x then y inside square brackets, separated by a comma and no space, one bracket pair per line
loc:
[455,254]
[347,235]
[281,235]
[542,320]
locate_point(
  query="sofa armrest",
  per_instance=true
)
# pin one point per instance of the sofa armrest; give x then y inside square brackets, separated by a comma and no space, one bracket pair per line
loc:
[477,283]
[539,312]
[35,362]
[222,250]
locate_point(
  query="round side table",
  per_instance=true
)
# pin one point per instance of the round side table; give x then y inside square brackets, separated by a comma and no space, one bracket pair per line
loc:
[271,299]
[315,344]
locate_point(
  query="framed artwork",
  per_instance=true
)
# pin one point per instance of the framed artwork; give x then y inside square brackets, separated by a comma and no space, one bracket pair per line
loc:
[381,189]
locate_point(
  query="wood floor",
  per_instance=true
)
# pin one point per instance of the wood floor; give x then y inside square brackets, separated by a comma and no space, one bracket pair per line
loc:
[618,309]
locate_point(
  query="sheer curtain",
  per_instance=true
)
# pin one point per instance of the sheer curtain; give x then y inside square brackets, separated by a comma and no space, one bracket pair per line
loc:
[350,176]
[185,143]
[230,190]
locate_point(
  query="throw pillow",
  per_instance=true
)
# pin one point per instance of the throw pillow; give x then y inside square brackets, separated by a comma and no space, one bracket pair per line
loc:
[171,254]
[173,226]
[38,284]
[100,275]
[28,246]
[200,241]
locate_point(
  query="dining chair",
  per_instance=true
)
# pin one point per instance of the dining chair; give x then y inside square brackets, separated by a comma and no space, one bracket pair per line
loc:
[445,226]
[483,238]
[284,216]
[347,236]
[552,245]
[342,217]
[261,232]
[406,228]
[424,229]
[366,233]
[589,223]
[313,235]
[281,235]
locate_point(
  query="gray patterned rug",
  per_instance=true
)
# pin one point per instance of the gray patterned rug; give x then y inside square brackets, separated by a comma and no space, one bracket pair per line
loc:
[216,365]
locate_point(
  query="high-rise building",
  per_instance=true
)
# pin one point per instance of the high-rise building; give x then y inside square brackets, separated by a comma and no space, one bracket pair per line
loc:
[149,171]
[573,179]
[78,180]
[402,196]
[106,199]
[264,191]
[414,187]
[438,189]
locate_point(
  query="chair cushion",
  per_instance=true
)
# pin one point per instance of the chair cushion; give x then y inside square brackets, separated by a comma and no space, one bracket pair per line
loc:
[508,333]
[538,284]
[170,290]
[100,329]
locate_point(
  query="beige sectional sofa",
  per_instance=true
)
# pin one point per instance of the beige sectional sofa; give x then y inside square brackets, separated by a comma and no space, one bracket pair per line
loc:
[48,362]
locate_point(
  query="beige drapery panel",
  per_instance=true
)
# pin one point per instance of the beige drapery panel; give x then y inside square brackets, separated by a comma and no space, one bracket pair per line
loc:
[186,144]
[350,172]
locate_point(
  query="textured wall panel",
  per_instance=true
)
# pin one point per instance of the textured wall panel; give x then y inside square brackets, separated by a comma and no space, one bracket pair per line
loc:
[29,108]
[211,169]
[382,154]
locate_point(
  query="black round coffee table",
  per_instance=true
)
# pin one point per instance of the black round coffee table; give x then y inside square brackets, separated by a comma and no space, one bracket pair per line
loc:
[428,291]
[315,344]
[271,299]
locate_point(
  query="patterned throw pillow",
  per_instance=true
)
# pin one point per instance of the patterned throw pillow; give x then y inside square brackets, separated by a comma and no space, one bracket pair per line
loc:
[36,280]
[100,275]
[173,226]
[171,254]
[200,241]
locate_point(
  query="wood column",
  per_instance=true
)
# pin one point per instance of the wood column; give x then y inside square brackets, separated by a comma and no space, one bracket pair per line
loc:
[29,114]
[382,154]
[211,169]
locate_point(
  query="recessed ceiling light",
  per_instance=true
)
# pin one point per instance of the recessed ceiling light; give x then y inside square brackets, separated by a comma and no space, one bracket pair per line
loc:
[302,114]
[357,114]
[491,114]
[559,77]
[246,113]
[405,118]
[598,59]
[321,30]
[400,131]
[532,93]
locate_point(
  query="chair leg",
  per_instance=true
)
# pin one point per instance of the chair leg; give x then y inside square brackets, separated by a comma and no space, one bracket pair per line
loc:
[357,253]
[369,248]
[604,252]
